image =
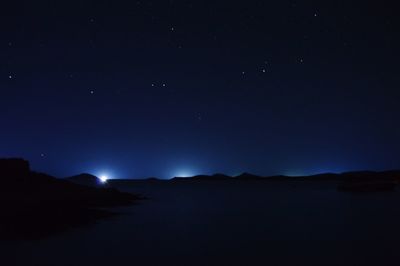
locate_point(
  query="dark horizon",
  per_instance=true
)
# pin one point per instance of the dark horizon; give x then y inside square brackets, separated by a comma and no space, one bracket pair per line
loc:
[98,175]
[247,172]
[187,173]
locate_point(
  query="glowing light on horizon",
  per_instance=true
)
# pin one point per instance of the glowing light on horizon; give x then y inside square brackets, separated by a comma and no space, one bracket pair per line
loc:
[103,179]
[184,173]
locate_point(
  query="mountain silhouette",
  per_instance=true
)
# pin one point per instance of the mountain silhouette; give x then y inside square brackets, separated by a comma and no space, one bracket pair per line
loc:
[248,176]
[393,175]
[85,179]
[358,181]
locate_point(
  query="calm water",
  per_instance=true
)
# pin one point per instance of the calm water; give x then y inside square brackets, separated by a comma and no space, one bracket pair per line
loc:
[230,223]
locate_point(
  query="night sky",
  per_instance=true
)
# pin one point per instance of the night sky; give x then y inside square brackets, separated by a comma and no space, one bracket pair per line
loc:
[136,89]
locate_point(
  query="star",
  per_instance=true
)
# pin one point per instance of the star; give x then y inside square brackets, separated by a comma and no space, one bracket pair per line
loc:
[264,70]
[164,85]
[91,91]
[10,77]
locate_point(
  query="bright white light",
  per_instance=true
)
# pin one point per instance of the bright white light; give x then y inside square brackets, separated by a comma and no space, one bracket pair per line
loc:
[103,179]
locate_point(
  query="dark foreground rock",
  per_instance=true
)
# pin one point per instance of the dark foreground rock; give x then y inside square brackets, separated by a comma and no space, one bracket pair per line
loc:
[35,205]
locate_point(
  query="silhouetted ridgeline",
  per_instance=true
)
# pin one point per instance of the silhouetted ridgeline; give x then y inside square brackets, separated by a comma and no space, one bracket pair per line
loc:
[348,181]
[86,180]
[362,181]
[347,177]
[35,204]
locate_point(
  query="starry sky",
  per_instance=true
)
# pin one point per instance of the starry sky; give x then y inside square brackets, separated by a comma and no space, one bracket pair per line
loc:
[176,88]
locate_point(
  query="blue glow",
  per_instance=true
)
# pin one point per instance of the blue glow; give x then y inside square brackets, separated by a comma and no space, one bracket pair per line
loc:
[103,176]
[103,179]
[184,173]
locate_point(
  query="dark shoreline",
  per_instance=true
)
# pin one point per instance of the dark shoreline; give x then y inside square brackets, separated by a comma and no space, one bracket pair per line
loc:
[35,205]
